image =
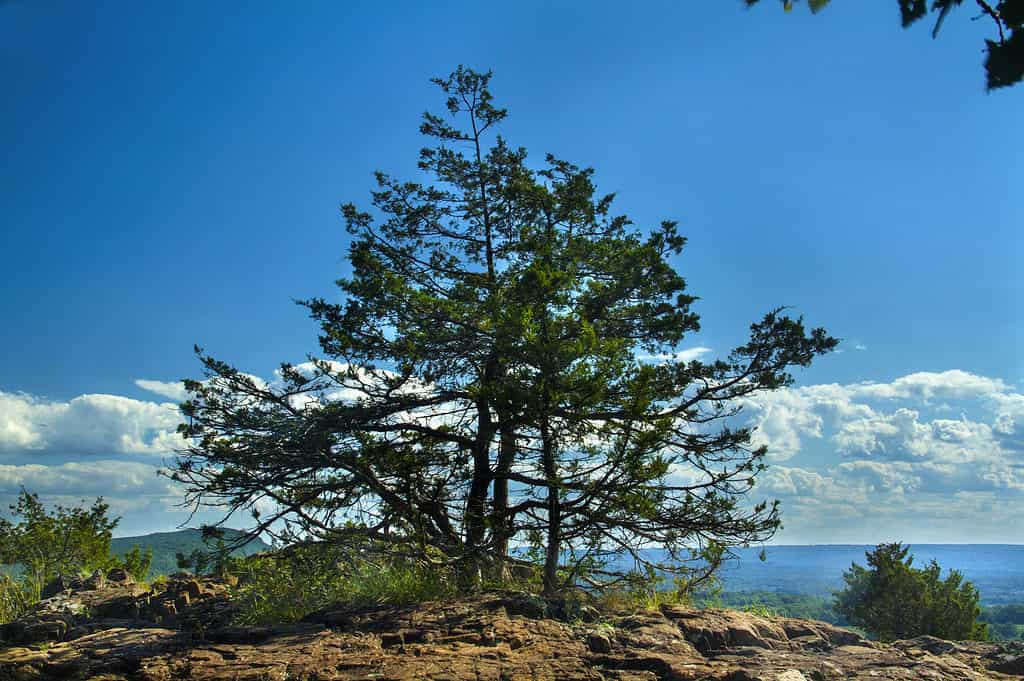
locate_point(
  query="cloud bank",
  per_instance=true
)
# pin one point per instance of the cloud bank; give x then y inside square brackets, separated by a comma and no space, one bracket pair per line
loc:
[927,457]
[87,425]
[931,456]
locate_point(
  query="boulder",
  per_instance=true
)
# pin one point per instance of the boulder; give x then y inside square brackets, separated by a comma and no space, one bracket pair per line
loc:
[526,604]
[599,642]
[75,607]
[97,580]
[1009,664]
[120,576]
[711,630]
[57,585]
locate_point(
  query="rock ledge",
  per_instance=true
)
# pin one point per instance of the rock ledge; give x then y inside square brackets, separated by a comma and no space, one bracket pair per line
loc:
[492,637]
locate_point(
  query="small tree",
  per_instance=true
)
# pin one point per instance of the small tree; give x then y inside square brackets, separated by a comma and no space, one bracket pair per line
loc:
[136,562]
[64,541]
[893,600]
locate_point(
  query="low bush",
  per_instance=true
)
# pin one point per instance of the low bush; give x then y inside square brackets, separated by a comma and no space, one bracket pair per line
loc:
[644,591]
[158,583]
[45,542]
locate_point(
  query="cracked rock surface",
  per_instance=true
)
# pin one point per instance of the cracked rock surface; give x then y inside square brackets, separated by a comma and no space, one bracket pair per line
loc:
[492,637]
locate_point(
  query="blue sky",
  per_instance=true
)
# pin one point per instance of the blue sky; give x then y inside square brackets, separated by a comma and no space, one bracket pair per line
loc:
[171,173]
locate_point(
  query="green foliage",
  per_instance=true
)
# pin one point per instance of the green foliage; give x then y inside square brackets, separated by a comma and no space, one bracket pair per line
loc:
[286,586]
[491,351]
[215,558]
[136,562]
[646,591]
[17,596]
[1004,65]
[64,541]
[893,600]
[632,600]
[760,609]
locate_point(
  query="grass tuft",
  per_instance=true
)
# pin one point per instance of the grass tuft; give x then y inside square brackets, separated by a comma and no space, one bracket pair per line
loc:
[276,588]
[17,596]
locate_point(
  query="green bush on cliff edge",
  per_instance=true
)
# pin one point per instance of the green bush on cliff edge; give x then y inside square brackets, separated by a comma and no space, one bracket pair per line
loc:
[44,543]
[893,600]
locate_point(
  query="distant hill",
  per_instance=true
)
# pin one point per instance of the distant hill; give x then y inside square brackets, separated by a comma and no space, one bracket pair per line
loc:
[166,545]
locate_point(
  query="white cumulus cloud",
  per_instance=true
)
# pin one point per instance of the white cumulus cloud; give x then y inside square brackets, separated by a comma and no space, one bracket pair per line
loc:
[87,424]
[105,477]
[939,452]
[929,385]
[174,390]
[896,456]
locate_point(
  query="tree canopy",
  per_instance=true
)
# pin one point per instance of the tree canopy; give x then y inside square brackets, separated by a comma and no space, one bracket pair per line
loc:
[486,383]
[893,600]
[1004,64]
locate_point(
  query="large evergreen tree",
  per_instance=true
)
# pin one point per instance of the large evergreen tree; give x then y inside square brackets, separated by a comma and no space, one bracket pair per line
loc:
[481,382]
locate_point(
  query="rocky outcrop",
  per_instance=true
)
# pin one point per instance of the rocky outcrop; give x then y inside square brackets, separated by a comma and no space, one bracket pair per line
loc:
[502,637]
[75,607]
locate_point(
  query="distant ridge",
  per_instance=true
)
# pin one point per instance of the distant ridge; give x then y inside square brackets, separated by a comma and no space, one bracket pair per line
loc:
[166,545]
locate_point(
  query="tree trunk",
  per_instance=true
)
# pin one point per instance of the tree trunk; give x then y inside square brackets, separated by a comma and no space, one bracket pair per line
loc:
[554,512]
[500,522]
[476,503]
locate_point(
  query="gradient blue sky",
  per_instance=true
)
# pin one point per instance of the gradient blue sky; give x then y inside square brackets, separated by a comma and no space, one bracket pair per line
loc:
[170,175]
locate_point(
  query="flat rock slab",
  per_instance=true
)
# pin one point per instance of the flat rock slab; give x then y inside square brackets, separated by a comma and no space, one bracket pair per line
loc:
[479,640]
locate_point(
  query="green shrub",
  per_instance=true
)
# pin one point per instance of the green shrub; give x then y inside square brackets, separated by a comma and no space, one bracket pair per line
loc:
[620,600]
[287,586]
[59,541]
[761,609]
[136,563]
